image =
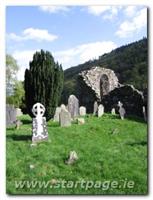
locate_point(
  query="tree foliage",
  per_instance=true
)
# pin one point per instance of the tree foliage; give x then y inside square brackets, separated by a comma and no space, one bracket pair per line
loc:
[17,97]
[43,83]
[11,71]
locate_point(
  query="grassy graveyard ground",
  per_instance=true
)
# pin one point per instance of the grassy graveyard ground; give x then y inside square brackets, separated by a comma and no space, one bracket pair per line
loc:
[109,149]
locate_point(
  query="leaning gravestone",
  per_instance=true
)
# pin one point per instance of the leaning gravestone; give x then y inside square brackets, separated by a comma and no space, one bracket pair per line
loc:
[64,117]
[95,108]
[57,113]
[113,111]
[82,111]
[144,113]
[100,110]
[73,106]
[39,129]
[121,110]
[10,115]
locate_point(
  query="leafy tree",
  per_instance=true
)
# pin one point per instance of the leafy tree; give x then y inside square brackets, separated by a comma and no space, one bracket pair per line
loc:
[17,97]
[43,83]
[11,71]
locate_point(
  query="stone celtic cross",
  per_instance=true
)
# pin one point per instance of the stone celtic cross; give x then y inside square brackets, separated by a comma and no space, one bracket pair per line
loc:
[39,129]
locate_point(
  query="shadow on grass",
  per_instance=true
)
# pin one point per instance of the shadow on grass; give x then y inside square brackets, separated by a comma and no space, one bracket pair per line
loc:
[26,121]
[19,137]
[143,143]
[12,128]
[137,119]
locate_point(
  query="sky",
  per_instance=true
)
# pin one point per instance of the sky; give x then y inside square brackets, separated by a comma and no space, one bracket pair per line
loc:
[73,34]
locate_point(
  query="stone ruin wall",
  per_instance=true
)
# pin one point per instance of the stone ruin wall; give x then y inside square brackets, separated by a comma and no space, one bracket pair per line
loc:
[91,82]
[93,79]
[89,86]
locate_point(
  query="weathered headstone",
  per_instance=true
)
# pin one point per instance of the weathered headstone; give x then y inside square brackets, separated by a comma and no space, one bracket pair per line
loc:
[57,112]
[144,113]
[121,110]
[73,106]
[95,108]
[113,111]
[63,106]
[72,158]
[100,110]
[64,118]
[81,121]
[10,115]
[82,111]
[39,128]
[18,112]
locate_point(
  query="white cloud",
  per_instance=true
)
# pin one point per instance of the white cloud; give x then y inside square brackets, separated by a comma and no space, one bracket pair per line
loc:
[54,9]
[107,12]
[130,11]
[98,10]
[113,12]
[67,58]
[33,34]
[134,25]
[84,52]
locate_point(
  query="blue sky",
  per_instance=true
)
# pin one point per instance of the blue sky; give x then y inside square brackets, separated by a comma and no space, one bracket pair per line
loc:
[73,34]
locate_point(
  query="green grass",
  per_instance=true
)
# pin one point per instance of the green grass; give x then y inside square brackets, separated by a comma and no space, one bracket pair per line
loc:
[109,149]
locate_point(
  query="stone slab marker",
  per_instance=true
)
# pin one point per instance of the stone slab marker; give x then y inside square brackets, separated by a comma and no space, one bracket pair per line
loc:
[10,115]
[64,118]
[18,112]
[82,111]
[121,110]
[95,108]
[73,106]
[57,113]
[39,129]
[100,110]
[144,113]
[113,111]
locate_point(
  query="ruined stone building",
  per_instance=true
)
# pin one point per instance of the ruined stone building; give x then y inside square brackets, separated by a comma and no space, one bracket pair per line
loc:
[93,84]
[102,85]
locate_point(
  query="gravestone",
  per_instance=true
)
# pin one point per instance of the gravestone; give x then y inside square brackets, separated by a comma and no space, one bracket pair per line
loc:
[39,129]
[73,106]
[100,110]
[64,117]
[82,111]
[63,107]
[57,113]
[144,113]
[18,112]
[113,111]
[10,115]
[95,108]
[121,110]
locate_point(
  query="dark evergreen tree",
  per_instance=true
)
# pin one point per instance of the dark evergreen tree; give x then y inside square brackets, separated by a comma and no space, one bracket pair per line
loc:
[43,83]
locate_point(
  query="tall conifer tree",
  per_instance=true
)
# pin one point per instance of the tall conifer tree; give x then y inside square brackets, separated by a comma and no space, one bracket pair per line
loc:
[43,83]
